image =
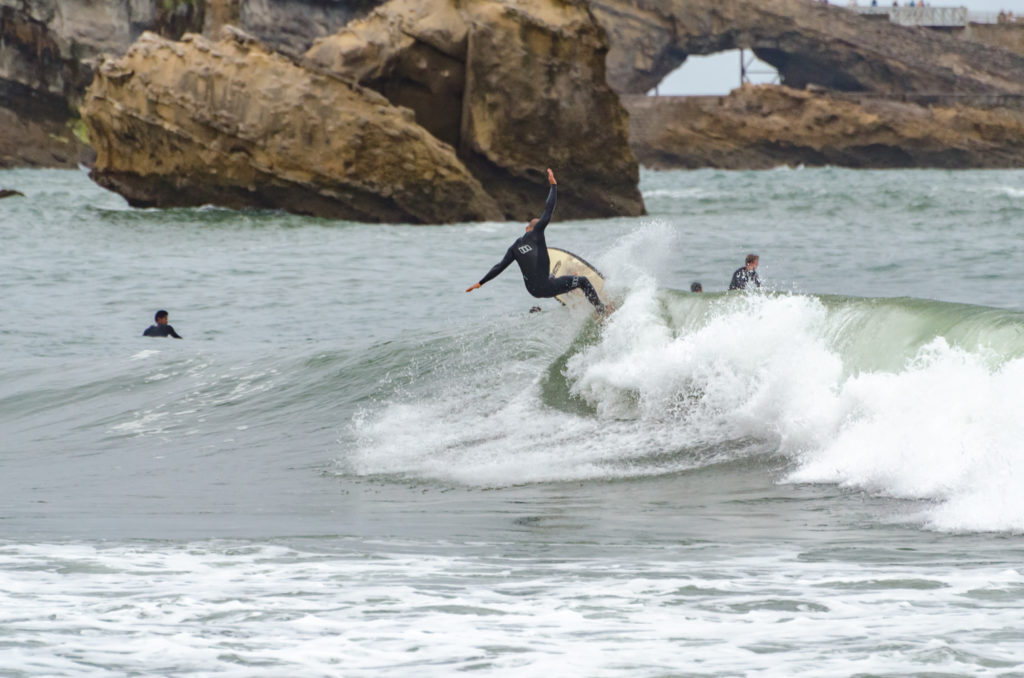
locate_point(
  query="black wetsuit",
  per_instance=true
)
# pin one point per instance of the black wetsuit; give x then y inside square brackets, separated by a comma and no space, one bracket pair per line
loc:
[161,331]
[742,277]
[530,251]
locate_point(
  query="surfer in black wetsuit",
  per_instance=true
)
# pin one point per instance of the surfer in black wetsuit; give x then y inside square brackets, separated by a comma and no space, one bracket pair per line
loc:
[530,251]
[745,274]
[161,329]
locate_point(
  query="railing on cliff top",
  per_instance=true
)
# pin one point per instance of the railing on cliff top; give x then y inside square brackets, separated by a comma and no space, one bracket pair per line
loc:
[928,17]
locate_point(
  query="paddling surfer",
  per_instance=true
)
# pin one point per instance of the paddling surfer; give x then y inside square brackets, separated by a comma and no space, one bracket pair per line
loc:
[530,251]
[161,328]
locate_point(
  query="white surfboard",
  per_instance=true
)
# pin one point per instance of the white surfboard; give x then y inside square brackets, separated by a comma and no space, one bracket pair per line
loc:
[567,263]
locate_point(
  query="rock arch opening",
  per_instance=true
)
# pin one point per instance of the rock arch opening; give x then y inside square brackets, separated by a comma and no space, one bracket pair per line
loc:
[715,74]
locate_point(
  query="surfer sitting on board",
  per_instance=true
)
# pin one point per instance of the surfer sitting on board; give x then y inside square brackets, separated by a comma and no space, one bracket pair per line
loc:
[530,251]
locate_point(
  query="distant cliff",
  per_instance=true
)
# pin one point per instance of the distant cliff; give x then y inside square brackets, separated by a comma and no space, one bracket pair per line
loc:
[48,50]
[510,86]
[289,26]
[808,42]
[768,126]
[877,94]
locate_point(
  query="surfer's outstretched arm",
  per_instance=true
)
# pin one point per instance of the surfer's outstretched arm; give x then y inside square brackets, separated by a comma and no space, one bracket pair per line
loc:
[496,269]
[549,207]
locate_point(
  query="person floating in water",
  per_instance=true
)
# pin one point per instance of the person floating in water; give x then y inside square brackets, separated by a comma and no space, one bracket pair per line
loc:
[530,251]
[746,274]
[161,329]
[696,287]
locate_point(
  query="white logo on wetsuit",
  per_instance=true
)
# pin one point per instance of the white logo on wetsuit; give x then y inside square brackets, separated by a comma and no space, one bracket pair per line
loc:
[523,249]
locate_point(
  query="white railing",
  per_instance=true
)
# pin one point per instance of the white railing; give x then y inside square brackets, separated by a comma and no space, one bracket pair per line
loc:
[983,17]
[931,17]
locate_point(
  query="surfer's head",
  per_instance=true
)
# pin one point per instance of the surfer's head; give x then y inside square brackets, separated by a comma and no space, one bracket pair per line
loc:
[752,260]
[533,222]
[160,317]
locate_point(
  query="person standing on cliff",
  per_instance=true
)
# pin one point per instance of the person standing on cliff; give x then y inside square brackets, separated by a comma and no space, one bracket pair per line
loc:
[746,274]
[530,251]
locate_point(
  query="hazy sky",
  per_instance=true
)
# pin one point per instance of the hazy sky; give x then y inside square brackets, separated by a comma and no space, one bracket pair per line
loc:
[720,73]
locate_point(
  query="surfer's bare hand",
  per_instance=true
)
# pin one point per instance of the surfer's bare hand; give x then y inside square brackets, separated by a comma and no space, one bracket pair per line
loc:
[474,287]
[551,177]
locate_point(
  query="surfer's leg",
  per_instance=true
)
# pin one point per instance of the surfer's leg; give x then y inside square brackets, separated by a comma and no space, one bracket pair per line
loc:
[567,283]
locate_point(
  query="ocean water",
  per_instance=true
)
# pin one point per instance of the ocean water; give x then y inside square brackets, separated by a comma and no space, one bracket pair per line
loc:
[351,467]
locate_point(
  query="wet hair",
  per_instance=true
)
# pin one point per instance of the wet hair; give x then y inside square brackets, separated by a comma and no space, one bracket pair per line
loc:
[160,314]
[696,287]
[751,258]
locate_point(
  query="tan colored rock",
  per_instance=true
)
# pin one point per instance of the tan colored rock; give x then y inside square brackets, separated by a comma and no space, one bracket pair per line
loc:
[231,123]
[1004,36]
[769,126]
[807,41]
[515,86]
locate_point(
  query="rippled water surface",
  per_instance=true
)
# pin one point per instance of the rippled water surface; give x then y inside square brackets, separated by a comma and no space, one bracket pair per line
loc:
[351,467]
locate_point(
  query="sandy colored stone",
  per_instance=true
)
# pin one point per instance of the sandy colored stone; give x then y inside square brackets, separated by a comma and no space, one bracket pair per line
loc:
[232,123]
[769,126]
[516,86]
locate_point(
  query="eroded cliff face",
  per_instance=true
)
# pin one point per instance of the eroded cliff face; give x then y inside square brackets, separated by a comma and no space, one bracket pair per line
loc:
[1003,36]
[47,49]
[769,126]
[515,87]
[232,123]
[291,26]
[808,42]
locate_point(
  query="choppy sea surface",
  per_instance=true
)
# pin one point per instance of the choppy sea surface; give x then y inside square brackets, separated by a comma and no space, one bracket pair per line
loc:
[351,467]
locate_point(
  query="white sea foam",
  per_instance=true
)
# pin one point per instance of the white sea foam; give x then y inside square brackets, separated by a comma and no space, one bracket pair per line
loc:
[147,353]
[944,428]
[1011,191]
[668,376]
[240,610]
[685,193]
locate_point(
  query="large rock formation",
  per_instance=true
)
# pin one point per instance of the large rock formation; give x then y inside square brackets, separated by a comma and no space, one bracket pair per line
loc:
[232,123]
[808,42]
[291,26]
[47,49]
[511,85]
[31,136]
[514,86]
[769,126]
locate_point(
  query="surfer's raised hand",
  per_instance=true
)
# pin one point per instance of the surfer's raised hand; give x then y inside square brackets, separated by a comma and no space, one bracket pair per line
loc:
[551,177]
[475,286]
